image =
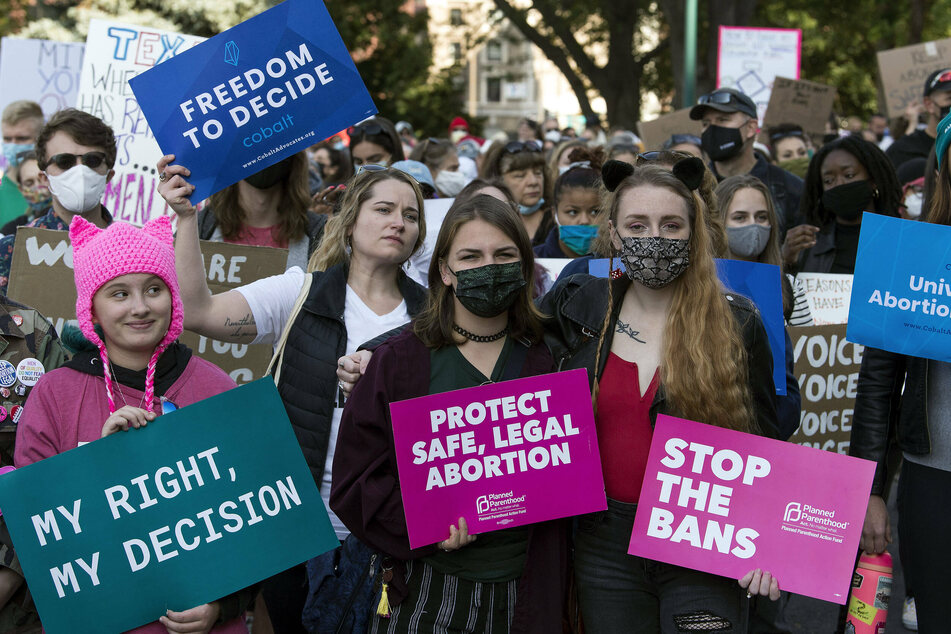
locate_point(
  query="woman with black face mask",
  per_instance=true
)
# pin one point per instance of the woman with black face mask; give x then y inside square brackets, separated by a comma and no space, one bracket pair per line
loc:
[846,177]
[479,325]
[267,209]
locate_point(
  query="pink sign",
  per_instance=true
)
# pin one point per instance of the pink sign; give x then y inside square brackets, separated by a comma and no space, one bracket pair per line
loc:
[726,502]
[499,455]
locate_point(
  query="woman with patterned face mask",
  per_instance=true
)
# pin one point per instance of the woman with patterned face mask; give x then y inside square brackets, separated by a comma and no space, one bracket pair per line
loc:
[36,193]
[479,325]
[661,338]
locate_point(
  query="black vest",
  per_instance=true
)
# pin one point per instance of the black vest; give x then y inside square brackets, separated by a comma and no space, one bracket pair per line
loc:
[308,384]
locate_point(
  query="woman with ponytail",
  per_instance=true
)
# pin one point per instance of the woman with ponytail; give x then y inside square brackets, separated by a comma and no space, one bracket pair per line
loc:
[129,307]
[664,338]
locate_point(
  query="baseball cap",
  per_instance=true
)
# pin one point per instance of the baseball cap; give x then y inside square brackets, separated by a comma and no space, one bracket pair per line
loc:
[938,81]
[724,100]
[417,170]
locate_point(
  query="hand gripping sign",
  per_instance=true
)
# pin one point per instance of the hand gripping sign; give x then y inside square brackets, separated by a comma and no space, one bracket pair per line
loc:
[726,502]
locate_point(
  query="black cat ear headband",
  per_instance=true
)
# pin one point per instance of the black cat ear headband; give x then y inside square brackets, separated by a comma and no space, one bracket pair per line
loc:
[688,171]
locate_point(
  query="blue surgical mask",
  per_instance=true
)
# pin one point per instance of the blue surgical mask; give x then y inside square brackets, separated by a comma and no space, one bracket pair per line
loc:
[11,150]
[528,211]
[577,237]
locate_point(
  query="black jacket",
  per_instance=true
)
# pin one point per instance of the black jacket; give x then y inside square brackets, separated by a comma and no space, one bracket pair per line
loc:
[308,384]
[820,257]
[881,407]
[575,313]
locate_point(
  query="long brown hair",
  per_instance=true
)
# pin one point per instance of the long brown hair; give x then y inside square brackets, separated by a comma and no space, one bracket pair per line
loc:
[704,370]
[939,209]
[294,193]
[335,246]
[434,323]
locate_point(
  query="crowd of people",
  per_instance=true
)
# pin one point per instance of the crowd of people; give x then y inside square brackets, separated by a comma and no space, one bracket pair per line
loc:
[384,299]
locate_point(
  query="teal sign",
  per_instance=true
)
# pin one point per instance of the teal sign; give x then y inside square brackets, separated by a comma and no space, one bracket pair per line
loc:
[206,500]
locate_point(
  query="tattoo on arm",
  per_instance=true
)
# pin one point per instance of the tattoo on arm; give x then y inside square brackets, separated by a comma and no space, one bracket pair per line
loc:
[626,329]
[240,326]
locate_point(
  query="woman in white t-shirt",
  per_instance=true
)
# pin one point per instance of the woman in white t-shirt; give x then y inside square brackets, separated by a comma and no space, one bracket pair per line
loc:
[358,292]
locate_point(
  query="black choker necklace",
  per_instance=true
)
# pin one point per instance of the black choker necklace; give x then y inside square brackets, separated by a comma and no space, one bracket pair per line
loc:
[480,338]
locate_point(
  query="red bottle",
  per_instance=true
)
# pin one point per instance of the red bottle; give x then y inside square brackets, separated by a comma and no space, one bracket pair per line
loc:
[871,589]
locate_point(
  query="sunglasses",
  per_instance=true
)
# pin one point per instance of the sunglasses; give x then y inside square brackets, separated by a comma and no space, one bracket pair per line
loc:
[679,139]
[517,147]
[784,135]
[366,129]
[648,157]
[66,161]
[721,98]
[370,167]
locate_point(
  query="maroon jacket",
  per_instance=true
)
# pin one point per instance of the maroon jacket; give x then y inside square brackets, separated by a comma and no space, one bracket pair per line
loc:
[366,491]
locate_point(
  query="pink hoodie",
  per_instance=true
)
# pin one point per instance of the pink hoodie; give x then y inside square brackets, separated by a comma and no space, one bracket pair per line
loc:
[67,408]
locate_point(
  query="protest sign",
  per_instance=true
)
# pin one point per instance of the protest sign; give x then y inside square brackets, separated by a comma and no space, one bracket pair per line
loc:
[654,133]
[253,95]
[828,296]
[749,59]
[43,71]
[901,291]
[827,368]
[553,266]
[115,53]
[202,502]
[761,284]
[500,455]
[807,103]
[903,72]
[41,276]
[726,503]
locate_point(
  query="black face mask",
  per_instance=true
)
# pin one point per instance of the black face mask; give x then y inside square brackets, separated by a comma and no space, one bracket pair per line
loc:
[848,201]
[721,144]
[270,176]
[489,290]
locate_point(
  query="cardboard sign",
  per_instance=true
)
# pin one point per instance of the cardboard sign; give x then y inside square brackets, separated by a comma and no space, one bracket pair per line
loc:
[749,59]
[726,503]
[40,70]
[655,132]
[901,292]
[251,96]
[827,367]
[171,516]
[807,103]
[761,284]
[828,296]
[115,53]
[500,455]
[904,70]
[41,276]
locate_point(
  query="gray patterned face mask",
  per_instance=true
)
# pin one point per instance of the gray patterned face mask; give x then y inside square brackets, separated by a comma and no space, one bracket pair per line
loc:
[654,262]
[489,290]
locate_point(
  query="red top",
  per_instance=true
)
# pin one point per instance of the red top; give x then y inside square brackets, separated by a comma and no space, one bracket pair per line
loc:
[259,237]
[624,428]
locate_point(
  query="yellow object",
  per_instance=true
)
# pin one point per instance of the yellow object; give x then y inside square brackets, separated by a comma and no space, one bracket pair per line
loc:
[384,608]
[862,610]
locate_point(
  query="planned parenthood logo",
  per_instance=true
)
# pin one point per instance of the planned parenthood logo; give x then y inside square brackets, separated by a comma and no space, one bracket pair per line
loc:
[498,505]
[813,522]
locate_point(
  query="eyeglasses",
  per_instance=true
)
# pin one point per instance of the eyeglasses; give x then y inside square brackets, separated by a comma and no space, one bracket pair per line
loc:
[66,161]
[517,147]
[370,167]
[648,157]
[366,129]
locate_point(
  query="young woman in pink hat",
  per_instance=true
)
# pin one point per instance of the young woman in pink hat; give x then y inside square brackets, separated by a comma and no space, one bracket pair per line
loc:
[129,308]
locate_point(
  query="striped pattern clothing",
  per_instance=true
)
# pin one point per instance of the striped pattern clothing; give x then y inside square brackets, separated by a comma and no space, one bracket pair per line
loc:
[801,315]
[446,604]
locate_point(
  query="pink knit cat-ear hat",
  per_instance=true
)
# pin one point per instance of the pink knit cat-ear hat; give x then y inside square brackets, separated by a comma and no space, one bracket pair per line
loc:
[101,255]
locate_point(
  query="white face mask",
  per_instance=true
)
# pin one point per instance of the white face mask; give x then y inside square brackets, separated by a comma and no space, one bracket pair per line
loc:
[451,183]
[913,205]
[79,189]
[457,135]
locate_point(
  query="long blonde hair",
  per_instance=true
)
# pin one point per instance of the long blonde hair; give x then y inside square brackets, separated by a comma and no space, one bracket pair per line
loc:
[335,246]
[704,369]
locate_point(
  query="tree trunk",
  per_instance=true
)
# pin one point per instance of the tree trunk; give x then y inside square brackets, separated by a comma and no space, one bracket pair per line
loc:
[720,13]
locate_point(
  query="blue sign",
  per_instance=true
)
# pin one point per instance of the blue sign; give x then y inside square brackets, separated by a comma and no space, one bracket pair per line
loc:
[761,283]
[204,501]
[901,290]
[247,98]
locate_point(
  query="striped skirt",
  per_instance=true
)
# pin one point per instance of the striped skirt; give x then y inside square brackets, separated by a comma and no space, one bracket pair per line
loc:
[446,604]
